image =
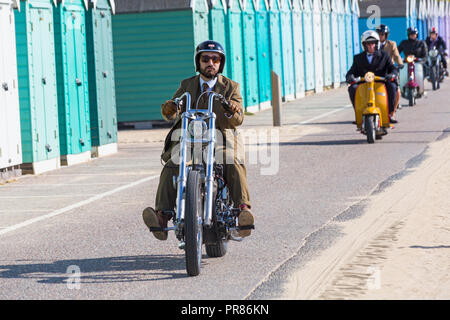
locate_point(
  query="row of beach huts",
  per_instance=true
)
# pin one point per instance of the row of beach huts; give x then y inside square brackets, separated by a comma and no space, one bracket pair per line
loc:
[71,71]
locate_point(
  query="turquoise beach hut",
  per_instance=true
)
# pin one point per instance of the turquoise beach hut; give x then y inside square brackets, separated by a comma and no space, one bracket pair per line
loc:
[102,93]
[37,86]
[286,50]
[326,44]
[297,48]
[72,81]
[335,41]
[318,45]
[250,88]
[152,53]
[263,53]
[308,44]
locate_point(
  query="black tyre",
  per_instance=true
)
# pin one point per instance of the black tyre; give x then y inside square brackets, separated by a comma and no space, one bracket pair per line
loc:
[433,78]
[369,125]
[410,97]
[193,223]
[217,250]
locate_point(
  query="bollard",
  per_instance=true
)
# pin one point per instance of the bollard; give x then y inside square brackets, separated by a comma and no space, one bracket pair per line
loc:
[276,98]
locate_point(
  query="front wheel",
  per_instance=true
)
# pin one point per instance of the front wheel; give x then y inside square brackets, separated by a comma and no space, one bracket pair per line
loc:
[410,97]
[193,223]
[369,126]
[433,78]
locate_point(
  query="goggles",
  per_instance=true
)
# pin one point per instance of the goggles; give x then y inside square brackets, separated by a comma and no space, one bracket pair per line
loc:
[206,58]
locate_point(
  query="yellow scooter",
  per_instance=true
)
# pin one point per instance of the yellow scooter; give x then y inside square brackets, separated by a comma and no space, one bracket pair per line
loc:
[372,107]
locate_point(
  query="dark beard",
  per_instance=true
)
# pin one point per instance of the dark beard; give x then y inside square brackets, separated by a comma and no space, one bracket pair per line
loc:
[208,74]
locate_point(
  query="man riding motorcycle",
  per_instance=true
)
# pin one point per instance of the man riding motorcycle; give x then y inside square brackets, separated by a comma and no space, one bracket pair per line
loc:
[374,60]
[413,46]
[391,48]
[436,41]
[209,62]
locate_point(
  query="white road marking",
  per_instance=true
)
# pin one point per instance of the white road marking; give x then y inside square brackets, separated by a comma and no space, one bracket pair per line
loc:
[325,114]
[75,205]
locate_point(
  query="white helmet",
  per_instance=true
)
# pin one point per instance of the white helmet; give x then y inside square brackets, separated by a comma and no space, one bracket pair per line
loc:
[370,35]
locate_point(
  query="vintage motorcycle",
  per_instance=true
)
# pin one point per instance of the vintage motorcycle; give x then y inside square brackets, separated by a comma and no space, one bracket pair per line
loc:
[371,106]
[204,211]
[412,80]
[436,69]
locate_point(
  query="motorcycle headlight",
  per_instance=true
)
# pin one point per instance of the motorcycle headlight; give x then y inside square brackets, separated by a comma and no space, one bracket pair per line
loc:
[197,128]
[433,53]
[409,59]
[369,77]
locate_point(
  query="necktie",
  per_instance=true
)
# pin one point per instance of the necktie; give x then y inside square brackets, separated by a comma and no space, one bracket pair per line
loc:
[204,99]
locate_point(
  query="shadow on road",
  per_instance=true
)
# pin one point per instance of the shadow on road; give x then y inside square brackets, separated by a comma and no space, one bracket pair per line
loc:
[100,270]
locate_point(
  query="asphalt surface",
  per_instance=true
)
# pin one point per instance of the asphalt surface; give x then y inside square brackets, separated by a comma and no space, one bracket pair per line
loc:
[87,218]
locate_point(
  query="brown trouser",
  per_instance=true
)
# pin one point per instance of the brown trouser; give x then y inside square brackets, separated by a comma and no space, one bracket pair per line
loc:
[235,176]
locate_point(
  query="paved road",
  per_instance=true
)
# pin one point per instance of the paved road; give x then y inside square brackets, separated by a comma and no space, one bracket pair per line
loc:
[87,218]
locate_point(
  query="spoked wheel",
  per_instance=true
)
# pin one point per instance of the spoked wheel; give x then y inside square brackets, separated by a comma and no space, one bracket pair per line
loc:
[369,125]
[193,223]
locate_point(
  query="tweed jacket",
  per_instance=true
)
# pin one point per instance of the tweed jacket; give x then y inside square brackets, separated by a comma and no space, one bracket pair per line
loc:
[391,49]
[224,86]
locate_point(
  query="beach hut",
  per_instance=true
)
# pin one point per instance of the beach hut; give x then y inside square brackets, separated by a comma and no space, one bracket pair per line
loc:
[342,39]
[326,44]
[235,54]
[420,24]
[318,44]
[355,27]
[217,23]
[297,48]
[348,16]
[152,53]
[286,50]
[276,62]
[102,93]
[72,81]
[10,141]
[263,53]
[37,86]
[308,45]
[250,87]
[335,47]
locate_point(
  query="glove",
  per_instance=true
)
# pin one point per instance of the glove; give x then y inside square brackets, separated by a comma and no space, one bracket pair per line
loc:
[234,106]
[350,79]
[169,110]
[401,66]
[391,77]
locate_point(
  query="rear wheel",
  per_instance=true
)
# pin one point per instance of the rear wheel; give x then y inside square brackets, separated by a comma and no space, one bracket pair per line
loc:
[193,223]
[217,250]
[369,126]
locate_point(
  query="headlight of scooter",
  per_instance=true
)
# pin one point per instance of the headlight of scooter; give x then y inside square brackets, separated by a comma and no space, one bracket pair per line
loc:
[369,77]
[409,59]
[433,53]
[197,128]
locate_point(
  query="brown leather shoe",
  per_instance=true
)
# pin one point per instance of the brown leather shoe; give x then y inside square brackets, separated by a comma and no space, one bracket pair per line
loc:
[156,219]
[245,218]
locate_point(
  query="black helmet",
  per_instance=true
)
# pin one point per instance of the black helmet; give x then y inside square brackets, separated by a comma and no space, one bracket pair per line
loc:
[412,30]
[382,28]
[209,46]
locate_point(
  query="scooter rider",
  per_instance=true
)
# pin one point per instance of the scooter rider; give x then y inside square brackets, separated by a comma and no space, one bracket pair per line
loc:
[413,45]
[436,41]
[209,62]
[391,48]
[376,61]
